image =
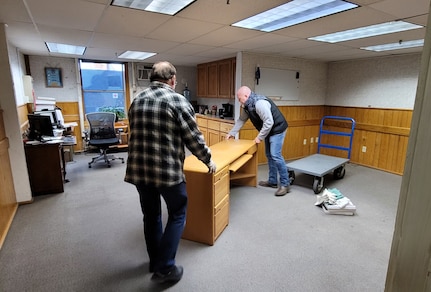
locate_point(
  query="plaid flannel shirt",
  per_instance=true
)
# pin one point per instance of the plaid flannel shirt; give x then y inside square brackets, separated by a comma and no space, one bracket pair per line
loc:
[162,122]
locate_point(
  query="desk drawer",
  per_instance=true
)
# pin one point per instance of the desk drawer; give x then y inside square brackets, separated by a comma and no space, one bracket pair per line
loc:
[202,122]
[220,174]
[214,125]
[221,187]
[221,218]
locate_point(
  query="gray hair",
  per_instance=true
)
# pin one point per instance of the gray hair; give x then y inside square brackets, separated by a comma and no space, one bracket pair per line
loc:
[162,71]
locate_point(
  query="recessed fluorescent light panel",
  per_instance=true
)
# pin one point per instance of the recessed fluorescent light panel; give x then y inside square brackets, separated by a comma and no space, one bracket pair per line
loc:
[366,31]
[294,12]
[395,46]
[135,55]
[65,49]
[169,7]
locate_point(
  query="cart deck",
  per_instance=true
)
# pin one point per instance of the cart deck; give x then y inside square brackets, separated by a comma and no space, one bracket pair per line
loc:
[319,165]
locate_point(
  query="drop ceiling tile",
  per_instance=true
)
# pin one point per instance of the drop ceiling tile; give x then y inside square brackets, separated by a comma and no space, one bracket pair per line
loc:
[131,43]
[65,36]
[66,14]
[225,36]
[403,9]
[13,11]
[182,30]
[260,41]
[188,49]
[130,22]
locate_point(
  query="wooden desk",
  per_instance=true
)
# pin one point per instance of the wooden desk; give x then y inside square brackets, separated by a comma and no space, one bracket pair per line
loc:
[208,194]
[46,165]
[45,168]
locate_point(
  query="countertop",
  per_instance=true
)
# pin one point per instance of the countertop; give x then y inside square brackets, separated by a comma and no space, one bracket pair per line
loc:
[229,120]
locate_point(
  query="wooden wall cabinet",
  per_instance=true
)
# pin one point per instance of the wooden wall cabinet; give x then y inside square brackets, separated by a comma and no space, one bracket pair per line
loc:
[214,131]
[217,79]
[224,70]
[202,84]
[212,90]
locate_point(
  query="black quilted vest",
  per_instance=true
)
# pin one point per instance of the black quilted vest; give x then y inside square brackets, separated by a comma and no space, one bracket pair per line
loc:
[280,123]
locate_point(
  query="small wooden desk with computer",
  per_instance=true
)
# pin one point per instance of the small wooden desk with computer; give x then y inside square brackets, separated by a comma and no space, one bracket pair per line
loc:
[44,151]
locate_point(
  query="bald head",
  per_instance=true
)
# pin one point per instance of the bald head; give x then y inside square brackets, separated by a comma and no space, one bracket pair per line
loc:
[162,71]
[243,94]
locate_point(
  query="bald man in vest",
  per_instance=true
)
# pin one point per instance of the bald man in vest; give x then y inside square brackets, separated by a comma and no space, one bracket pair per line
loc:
[272,127]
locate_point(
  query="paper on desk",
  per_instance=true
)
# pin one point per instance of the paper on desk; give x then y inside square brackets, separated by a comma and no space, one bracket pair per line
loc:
[71,124]
[54,141]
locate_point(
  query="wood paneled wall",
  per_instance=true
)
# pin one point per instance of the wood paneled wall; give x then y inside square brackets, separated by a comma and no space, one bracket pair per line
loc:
[8,204]
[383,132]
[70,111]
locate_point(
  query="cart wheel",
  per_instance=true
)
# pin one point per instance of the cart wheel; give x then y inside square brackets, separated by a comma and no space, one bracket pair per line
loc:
[317,184]
[291,176]
[339,172]
[89,165]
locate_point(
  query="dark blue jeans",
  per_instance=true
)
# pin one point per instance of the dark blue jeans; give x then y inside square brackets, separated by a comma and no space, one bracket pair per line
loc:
[276,163]
[162,245]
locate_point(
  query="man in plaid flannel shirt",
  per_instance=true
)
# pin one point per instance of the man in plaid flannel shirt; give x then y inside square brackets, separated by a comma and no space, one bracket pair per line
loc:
[162,122]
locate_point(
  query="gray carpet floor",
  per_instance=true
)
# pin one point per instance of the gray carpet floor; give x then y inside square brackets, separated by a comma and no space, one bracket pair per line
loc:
[90,238]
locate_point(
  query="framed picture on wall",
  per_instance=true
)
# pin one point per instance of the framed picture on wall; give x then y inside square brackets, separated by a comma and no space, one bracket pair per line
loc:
[53,77]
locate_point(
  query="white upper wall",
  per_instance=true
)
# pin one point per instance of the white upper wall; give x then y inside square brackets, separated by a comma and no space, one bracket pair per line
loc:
[312,79]
[68,71]
[386,82]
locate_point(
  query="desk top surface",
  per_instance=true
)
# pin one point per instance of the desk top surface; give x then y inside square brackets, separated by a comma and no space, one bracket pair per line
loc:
[63,140]
[223,154]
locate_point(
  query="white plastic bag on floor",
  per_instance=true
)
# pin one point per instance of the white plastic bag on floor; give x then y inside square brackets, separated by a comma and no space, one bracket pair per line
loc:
[333,201]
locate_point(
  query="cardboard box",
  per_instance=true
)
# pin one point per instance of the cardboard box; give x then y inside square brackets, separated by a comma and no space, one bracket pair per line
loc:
[68,153]
[124,138]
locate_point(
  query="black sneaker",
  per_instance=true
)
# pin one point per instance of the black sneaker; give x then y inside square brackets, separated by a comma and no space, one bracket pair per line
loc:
[174,275]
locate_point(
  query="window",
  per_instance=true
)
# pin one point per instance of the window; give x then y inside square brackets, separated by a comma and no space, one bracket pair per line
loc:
[103,87]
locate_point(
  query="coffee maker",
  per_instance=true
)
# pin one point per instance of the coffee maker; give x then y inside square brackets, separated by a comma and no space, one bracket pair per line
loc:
[227,109]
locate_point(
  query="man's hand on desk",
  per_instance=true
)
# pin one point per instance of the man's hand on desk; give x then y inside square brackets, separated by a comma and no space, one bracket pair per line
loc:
[211,167]
[228,136]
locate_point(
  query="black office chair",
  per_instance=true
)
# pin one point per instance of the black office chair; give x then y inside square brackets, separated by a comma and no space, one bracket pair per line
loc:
[103,135]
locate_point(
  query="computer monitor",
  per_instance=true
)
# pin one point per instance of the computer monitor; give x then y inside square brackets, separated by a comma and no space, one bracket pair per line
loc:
[50,113]
[40,125]
[56,116]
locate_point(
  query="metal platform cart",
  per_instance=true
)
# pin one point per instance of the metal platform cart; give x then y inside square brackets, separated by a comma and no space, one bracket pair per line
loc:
[318,165]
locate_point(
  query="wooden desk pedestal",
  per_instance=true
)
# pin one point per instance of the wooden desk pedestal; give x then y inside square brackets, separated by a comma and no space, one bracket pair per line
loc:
[45,168]
[208,194]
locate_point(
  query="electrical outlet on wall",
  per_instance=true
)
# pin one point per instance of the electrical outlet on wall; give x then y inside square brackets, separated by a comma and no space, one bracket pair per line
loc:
[364,149]
[311,140]
[317,139]
[305,141]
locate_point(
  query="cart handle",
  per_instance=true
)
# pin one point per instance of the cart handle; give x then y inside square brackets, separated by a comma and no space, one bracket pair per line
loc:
[349,134]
